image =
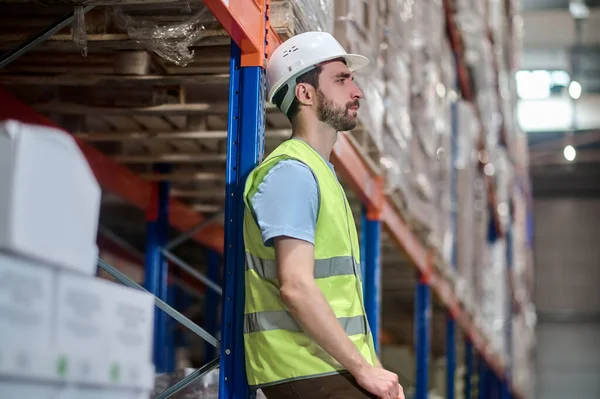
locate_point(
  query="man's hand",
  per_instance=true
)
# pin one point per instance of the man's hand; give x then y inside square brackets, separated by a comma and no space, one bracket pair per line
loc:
[380,382]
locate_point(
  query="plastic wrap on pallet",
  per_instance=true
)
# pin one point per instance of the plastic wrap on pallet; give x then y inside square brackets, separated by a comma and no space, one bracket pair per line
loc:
[479,56]
[504,177]
[357,27]
[466,166]
[401,32]
[523,356]
[425,105]
[299,16]
[372,108]
[522,272]
[481,253]
[170,33]
[494,300]
[395,162]
[398,99]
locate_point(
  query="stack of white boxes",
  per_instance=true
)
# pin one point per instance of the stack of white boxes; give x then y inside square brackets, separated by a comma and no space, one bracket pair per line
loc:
[64,333]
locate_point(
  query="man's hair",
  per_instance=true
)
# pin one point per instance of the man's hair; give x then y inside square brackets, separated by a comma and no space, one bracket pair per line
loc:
[311,77]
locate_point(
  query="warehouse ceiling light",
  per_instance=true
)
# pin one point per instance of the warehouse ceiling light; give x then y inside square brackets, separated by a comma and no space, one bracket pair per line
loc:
[575,90]
[569,153]
[533,85]
[579,9]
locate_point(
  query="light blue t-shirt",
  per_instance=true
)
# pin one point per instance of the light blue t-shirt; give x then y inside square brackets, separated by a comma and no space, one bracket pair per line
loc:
[287,202]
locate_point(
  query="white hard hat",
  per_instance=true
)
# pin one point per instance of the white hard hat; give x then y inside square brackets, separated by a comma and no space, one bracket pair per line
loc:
[300,54]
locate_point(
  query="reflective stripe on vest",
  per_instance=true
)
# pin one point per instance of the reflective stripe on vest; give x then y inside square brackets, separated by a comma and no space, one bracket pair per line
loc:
[337,266]
[282,320]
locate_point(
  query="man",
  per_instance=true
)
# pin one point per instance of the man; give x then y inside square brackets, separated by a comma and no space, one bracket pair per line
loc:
[306,333]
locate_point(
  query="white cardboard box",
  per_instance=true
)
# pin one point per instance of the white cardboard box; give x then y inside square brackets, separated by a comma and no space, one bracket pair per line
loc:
[81,335]
[131,327]
[49,197]
[26,309]
[104,332]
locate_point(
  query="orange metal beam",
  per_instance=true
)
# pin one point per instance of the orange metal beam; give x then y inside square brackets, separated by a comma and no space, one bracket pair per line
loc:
[118,179]
[402,234]
[245,22]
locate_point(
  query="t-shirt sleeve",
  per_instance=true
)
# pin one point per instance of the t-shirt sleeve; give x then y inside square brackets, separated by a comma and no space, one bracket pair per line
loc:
[287,203]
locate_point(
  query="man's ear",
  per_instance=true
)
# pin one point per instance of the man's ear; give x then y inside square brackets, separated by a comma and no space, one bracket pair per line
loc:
[305,93]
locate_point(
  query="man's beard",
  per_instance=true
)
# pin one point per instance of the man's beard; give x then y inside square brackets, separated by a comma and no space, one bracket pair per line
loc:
[336,117]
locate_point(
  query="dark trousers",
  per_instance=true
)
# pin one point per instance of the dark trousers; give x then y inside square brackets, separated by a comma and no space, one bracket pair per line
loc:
[338,386]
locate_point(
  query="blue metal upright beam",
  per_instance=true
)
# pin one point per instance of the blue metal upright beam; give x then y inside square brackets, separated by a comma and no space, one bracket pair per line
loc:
[211,303]
[450,357]
[245,142]
[506,393]
[155,279]
[484,380]
[422,321]
[371,228]
[468,368]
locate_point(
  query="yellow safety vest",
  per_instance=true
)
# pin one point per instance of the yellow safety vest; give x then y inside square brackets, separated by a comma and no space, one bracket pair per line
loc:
[276,348]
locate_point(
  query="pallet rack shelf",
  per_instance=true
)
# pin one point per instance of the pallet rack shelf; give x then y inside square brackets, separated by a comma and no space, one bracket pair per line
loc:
[252,42]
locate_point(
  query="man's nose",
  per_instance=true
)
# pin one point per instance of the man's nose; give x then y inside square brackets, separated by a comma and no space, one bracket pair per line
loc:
[356,93]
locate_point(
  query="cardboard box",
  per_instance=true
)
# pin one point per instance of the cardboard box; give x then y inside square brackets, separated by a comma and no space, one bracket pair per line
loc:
[104,332]
[49,197]
[26,309]
[130,328]
[81,335]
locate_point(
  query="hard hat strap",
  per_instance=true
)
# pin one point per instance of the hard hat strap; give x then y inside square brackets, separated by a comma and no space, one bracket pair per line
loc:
[289,96]
[291,92]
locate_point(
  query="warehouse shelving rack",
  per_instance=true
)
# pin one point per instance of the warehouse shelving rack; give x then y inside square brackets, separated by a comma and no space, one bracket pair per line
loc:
[253,41]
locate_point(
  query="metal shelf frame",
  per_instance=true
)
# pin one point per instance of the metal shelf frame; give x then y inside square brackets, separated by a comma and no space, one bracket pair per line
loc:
[253,41]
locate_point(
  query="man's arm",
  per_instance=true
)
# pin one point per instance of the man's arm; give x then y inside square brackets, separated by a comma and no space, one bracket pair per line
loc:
[308,306]
[306,302]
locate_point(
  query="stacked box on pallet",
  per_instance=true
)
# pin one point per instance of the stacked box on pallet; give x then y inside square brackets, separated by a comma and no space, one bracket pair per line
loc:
[291,17]
[470,17]
[358,28]
[60,323]
[494,296]
[523,347]
[466,165]
[481,249]
[419,75]
[398,129]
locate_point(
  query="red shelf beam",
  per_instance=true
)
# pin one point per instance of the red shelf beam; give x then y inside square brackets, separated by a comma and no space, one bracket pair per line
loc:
[119,180]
